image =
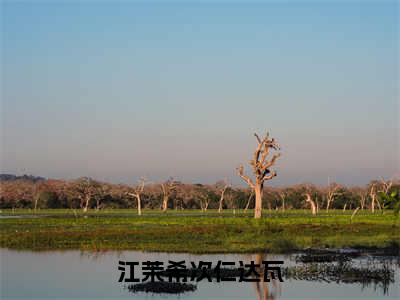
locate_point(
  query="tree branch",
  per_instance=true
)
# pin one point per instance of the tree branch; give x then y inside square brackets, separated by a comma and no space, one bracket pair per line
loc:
[271,162]
[133,195]
[272,175]
[240,172]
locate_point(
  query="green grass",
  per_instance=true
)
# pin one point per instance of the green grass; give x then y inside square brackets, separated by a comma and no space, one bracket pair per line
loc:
[194,231]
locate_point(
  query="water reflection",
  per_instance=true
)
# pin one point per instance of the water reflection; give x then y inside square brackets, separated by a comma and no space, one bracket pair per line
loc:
[375,271]
[262,289]
[85,275]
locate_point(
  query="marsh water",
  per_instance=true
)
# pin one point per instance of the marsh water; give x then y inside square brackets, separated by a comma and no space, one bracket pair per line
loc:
[88,275]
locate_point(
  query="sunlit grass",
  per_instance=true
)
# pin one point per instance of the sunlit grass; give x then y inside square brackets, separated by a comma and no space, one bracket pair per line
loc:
[195,231]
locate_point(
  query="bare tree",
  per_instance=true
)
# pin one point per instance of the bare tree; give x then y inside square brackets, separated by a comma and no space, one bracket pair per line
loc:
[375,187]
[331,192]
[261,169]
[201,193]
[137,192]
[282,195]
[384,188]
[373,195]
[222,187]
[36,195]
[231,200]
[312,204]
[85,189]
[167,188]
[386,185]
[362,193]
[104,189]
[204,201]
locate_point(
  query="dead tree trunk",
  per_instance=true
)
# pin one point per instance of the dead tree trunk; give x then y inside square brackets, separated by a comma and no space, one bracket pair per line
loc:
[283,197]
[165,202]
[312,204]
[36,202]
[36,197]
[362,201]
[385,188]
[98,204]
[167,188]
[221,199]
[362,194]
[248,202]
[139,202]
[331,193]
[220,203]
[137,193]
[372,194]
[258,192]
[206,206]
[386,185]
[261,169]
[139,205]
[87,200]
[204,202]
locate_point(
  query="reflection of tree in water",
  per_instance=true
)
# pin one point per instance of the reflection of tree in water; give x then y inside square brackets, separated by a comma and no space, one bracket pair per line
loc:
[376,272]
[262,289]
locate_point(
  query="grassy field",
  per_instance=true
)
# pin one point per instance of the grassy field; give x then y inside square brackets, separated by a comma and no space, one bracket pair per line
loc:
[195,231]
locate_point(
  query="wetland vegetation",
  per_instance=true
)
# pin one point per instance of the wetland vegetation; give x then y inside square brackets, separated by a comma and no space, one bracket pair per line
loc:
[196,231]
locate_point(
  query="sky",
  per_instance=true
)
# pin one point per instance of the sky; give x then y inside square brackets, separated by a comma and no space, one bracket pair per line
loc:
[117,91]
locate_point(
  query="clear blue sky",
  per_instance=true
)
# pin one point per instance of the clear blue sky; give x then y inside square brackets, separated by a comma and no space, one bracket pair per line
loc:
[119,91]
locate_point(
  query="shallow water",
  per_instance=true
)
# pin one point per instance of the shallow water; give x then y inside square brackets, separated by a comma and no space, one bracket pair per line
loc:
[77,275]
[20,216]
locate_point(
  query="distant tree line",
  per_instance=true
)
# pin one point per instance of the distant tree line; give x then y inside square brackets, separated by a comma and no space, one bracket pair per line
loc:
[5,177]
[86,193]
